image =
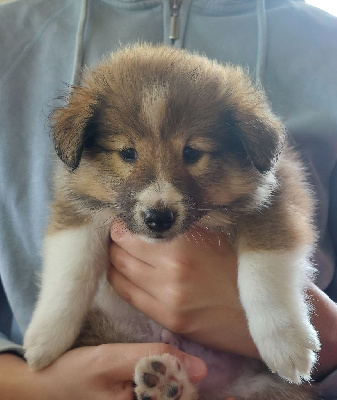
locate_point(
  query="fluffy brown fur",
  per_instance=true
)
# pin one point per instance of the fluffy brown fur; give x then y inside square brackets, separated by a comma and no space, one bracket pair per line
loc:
[212,109]
[155,115]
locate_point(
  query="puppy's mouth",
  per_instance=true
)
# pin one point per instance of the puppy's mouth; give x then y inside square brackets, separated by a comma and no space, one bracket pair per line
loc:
[159,223]
[162,223]
[159,211]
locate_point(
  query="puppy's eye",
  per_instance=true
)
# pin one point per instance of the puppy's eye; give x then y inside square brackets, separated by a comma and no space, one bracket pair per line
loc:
[191,155]
[129,154]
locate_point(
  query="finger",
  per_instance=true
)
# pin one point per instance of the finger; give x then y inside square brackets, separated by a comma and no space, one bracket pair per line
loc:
[147,251]
[126,356]
[128,290]
[124,390]
[181,249]
[161,280]
[161,309]
[137,271]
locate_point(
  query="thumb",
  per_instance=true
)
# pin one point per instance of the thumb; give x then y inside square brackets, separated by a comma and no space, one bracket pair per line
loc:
[195,368]
[126,356]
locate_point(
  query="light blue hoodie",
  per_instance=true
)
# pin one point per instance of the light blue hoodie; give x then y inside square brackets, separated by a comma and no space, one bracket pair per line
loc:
[290,48]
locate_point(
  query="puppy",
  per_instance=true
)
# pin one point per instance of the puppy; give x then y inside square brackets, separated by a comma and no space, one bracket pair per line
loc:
[165,141]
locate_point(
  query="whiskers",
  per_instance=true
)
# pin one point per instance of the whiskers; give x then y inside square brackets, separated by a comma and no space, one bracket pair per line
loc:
[105,215]
[207,207]
[206,224]
[195,236]
[216,225]
[204,236]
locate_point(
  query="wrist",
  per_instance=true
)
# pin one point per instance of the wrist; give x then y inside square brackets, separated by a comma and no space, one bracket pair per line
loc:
[17,381]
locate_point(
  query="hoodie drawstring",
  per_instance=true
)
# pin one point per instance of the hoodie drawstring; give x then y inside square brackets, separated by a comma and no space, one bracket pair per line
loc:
[262,41]
[78,63]
[261,38]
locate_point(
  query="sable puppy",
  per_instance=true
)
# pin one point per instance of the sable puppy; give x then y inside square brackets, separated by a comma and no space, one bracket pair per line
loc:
[165,141]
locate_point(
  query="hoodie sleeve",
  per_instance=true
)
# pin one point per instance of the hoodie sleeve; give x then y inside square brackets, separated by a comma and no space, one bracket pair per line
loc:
[327,388]
[6,346]
[34,37]
[6,318]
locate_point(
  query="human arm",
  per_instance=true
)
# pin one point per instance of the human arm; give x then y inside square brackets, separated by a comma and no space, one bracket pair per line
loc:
[184,286]
[97,373]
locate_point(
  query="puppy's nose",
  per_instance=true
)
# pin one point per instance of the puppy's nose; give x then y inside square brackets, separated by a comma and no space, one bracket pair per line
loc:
[159,220]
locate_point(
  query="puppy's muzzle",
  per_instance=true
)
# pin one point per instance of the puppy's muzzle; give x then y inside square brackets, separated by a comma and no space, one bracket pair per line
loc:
[159,220]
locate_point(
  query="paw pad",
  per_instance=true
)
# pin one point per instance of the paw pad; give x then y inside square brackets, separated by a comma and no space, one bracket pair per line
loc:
[145,397]
[172,391]
[150,380]
[162,378]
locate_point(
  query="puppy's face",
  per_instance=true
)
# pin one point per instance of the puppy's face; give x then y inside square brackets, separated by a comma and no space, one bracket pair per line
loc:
[167,139]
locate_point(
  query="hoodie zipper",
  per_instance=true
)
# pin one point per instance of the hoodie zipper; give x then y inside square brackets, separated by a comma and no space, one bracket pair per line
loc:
[174,29]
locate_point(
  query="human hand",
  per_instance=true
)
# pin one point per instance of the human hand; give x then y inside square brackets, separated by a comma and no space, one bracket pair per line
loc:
[87,373]
[187,285]
[190,287]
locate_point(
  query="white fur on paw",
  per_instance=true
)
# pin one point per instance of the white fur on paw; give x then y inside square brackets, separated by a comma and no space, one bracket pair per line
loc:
[291,351]
[162,377]
[43,347]
[38,356]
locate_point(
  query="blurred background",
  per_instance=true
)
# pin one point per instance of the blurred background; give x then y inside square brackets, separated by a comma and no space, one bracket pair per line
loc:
[327,5]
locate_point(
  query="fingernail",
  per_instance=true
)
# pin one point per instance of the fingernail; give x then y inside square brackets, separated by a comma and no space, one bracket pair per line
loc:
[196,369]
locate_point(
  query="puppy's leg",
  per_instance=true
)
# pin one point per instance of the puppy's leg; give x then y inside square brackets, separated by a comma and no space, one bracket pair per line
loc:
[162,377]
[271,291]
[73,261]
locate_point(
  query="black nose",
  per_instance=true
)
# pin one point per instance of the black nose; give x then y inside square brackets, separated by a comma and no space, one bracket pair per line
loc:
[159,220]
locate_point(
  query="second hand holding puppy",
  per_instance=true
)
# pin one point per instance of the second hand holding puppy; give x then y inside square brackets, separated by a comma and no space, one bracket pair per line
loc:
[187,285]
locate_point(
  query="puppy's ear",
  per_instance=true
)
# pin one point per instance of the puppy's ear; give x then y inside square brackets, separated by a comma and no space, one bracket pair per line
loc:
[262,136]
[249,119]
[70,126]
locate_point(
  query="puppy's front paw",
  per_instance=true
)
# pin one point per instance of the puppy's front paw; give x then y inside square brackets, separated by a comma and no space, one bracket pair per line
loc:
[38,353]
[37,358]
[291,351]
[43,346]
[162,378]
